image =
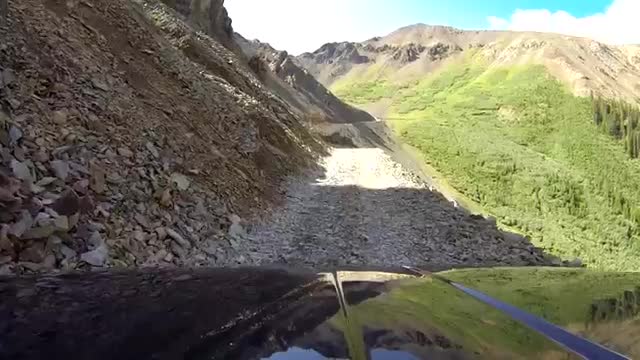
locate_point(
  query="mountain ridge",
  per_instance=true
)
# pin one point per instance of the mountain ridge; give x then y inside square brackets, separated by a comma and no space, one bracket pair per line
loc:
[586,66]
[284,76]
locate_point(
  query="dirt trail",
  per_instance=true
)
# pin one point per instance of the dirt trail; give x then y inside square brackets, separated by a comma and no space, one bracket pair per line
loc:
[365,209]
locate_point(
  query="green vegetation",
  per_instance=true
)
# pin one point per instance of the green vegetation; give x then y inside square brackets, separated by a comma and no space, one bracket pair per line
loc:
[364,92]
[516,141]
[619,120]
[562,296]
[368,86]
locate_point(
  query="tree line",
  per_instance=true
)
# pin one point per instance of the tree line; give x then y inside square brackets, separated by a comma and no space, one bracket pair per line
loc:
[620,120]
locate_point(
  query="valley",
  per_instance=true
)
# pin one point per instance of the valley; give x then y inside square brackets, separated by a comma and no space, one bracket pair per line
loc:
[179,143]
[504,131]
[170,188]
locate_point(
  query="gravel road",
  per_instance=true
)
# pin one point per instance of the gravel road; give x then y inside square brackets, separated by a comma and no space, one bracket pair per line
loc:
[364,209]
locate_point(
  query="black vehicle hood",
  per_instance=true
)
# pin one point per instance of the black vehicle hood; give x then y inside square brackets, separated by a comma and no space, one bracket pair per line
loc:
[256,313]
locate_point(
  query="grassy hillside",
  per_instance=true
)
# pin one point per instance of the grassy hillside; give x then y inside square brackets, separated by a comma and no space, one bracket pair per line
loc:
[517,142]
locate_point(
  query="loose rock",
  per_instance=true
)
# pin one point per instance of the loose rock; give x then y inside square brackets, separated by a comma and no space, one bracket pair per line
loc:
[139,236]
[46,181]
[21,171]
[41,156]
[99,84]
[236,230]
[178,238]
[181,181]
[82,186]
[61,223]
[152,149]
[15,135]
[39,232]
[95,240]
[98,182]
[68,203]
[162,233]
[60,117]
[34,253]
[49,262]
[67,252]
[60,169]
[166,198]
[142,220]
[96,257]
[178,250]
[123,151]
[23,225]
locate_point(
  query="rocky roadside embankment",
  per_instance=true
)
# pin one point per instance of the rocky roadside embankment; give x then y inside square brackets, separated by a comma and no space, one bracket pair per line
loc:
[128,139]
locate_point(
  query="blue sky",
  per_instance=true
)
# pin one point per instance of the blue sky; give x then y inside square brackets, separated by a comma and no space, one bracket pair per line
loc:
[470,14]
[304,25]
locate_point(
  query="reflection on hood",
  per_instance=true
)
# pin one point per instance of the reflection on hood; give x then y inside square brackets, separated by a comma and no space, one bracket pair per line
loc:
[257,313]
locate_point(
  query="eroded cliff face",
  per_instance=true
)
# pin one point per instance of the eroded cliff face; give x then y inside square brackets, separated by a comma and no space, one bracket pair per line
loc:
[297,86]
[287,79]
[208,16]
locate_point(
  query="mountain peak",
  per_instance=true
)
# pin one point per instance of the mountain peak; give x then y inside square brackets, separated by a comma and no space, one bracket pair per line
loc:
[422,34]
[582,64]
[426,27]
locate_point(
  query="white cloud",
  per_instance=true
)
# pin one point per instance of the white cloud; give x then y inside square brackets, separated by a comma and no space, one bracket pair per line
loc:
[291,25]
[618,24]
[497,23]
[298,25]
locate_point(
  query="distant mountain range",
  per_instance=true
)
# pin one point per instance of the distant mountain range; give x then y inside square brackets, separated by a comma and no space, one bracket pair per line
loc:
[283,75]
[411,52]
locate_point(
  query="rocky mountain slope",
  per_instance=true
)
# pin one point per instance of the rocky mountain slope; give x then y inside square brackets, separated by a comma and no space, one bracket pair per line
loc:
[278,71]
[129,139]
[412,52]
[287,79]
[208,16]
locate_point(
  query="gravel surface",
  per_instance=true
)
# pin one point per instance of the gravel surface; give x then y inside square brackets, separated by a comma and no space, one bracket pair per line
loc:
[364,209]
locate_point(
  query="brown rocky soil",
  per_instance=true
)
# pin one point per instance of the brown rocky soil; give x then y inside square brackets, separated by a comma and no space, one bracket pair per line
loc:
[127,139]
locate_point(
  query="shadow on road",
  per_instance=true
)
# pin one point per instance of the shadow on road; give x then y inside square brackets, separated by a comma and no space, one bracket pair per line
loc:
[356,225]
[329,226]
